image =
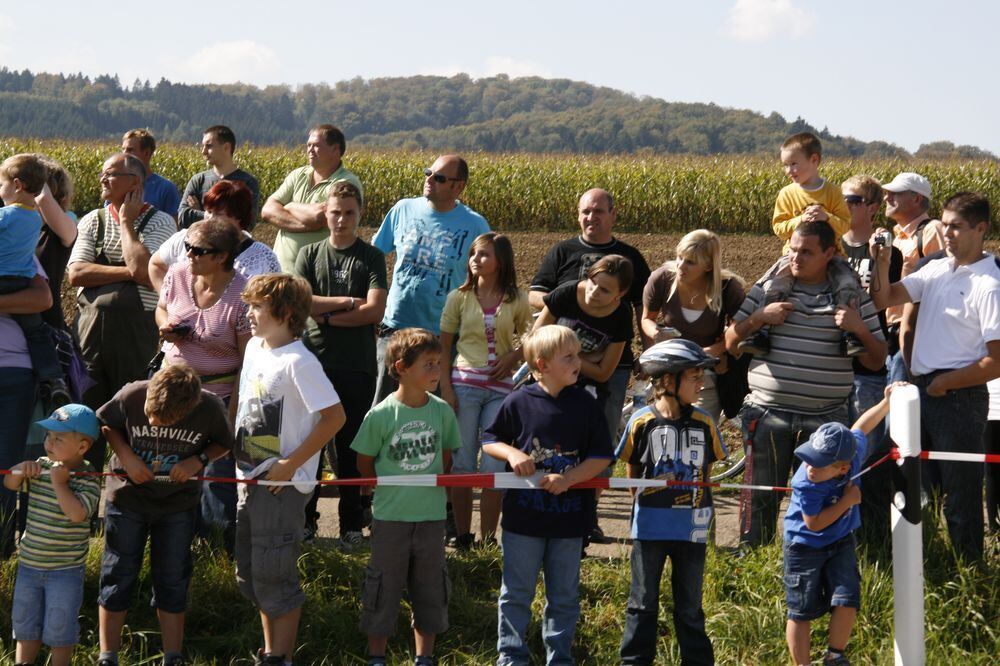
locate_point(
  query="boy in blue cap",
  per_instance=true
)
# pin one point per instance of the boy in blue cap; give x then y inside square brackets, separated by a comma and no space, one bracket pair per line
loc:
[49,587]
[821,568]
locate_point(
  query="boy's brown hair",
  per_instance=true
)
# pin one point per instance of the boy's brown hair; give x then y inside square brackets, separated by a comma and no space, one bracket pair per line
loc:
[343,189]
[406,345]
[807,142]
[287,297]
[26,168]
[545,343]
[172,393]
[867,186]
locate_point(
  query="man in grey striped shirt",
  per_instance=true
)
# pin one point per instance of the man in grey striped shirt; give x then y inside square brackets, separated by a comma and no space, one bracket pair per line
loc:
[805,380]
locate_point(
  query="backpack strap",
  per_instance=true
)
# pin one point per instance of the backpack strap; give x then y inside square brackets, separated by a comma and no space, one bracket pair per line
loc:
[920,238]
[102,220]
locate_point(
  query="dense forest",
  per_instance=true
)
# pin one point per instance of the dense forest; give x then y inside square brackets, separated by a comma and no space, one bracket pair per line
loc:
[497,114]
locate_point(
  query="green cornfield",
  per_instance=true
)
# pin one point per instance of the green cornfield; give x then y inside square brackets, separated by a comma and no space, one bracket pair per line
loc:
[524,192]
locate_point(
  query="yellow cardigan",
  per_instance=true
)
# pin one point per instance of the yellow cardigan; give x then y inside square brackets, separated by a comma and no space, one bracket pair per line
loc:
[792,201]
[462,315]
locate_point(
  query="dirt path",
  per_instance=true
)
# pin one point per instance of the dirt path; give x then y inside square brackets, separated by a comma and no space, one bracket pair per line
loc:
[613,514]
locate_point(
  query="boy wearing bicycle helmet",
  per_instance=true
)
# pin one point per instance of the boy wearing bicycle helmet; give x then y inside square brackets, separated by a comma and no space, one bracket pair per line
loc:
[673,440]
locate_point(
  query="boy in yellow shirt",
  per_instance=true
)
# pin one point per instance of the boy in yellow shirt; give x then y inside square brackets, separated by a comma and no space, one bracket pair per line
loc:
[808,198]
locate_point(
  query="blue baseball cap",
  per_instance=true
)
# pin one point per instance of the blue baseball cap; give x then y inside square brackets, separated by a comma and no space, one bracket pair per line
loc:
[73,418]
[832,442]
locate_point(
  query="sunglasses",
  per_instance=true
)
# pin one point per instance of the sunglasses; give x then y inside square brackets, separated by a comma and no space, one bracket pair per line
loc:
[854,199]
[199,251]
[438,177]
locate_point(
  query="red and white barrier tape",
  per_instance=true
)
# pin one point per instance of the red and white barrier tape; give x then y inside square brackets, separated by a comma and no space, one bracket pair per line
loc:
[950,456]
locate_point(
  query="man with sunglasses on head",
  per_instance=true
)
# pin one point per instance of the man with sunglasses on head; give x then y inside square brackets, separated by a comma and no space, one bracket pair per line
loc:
[298,207]
[115,324]
[431,236]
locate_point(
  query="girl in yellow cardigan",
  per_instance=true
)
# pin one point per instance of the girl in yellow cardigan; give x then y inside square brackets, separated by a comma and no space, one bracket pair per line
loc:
[488,314]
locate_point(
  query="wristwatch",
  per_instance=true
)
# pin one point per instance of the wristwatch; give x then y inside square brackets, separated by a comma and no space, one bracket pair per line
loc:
[204,459]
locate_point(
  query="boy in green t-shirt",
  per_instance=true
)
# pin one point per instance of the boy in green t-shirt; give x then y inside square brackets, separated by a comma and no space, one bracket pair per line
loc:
[49,586]
[410,432]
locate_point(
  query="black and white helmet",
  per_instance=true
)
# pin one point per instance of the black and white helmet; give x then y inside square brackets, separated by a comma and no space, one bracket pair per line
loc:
[673,357]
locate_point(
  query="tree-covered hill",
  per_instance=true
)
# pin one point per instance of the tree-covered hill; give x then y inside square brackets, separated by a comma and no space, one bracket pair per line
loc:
[419,112]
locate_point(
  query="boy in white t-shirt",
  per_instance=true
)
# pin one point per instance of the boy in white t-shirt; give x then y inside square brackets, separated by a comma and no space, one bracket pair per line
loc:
[288,411]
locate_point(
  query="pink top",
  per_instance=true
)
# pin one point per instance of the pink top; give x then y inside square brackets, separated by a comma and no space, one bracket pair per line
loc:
[211,348]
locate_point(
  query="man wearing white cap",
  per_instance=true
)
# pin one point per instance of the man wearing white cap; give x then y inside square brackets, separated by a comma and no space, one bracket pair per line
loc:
[907,200]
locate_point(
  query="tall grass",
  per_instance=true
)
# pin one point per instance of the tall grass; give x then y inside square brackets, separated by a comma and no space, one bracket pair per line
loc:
[744,606]
[534,192]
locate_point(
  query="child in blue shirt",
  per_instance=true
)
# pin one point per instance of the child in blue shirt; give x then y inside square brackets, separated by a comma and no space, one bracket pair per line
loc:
[821,569]
[22,178]
[672,440]
[556,428]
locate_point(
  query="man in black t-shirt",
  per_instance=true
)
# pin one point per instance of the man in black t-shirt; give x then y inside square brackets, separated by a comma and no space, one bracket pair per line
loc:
[569,261]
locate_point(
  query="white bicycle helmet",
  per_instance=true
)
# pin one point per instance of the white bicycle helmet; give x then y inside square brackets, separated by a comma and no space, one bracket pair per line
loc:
[674,357]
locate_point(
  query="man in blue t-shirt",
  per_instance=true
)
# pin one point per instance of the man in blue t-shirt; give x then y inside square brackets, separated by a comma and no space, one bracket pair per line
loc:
[157,190]
[431,236]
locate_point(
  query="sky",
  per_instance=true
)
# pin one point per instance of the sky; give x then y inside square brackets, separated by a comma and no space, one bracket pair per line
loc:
[904,72]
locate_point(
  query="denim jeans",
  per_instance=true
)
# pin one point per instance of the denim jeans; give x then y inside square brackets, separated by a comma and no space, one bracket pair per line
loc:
[616,387]
[477,408]
[125,536]
[47,605]
[687,568]
[17,397]
[772,436]
[955,422]
[897,368]
[876,485]
[819,578]
[218,502]
[559,561]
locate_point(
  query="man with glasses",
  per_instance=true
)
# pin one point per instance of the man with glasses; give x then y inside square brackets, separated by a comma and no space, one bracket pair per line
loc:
[298,207]
[431,236]
[907,200]
[115,323]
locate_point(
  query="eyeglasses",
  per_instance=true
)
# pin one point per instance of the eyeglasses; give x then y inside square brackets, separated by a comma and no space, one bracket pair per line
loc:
[438,177]
[115,174]
[854,199]
[199,251]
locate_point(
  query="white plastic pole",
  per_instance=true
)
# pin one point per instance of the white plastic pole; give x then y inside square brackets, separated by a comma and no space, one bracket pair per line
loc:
[907,542]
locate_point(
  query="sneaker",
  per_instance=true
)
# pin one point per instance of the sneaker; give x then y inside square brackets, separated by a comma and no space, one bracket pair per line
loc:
[464,541]
[851,346]
[310,530]
[759,343]
[107,662]
[176,660]
[597,535]
[424,660]
[376,661]
[839,660]
[351,541]
[54,393]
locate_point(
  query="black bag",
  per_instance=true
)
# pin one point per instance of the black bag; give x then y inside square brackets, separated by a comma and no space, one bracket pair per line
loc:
[732,386]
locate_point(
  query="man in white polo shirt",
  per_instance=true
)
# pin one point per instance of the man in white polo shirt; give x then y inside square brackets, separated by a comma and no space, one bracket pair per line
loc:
[956,351]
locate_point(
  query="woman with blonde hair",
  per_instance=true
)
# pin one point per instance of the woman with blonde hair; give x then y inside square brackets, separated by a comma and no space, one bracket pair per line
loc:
[697,298]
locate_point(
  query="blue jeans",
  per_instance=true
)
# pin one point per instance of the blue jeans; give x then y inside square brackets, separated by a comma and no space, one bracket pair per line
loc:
[772,436]
[817,579]
[876,485]
[897,368]
[687,569]
[477,408]
[47,605]
[17,398]
[523,558]
[616,387]
[125,535]
[218,502]
[955,422]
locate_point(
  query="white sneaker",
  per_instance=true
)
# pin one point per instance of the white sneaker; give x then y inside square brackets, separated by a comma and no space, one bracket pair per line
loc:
[351,541]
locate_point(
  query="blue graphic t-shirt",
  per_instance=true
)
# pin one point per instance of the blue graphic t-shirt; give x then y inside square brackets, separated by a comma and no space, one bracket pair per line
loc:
[678,450]
[558,433]
[432,251]
[810,498]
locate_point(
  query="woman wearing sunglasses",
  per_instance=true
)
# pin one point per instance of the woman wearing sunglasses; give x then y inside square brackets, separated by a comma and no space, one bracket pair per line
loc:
[203,323]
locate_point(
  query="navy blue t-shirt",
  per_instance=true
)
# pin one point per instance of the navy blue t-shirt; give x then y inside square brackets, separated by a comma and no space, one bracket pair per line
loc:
[558,433]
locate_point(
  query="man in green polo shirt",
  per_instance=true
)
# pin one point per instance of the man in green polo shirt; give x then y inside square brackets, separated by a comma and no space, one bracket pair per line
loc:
[298,207]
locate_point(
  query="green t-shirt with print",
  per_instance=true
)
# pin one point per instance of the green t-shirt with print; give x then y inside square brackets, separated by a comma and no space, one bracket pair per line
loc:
[408,440]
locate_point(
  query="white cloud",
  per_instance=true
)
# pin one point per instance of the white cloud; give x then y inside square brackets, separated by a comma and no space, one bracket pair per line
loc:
[7,29]
[763,20]
[494,65]
[226,62]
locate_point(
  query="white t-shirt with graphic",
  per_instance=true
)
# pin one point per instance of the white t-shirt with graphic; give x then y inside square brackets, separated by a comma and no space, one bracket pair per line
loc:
[281,393]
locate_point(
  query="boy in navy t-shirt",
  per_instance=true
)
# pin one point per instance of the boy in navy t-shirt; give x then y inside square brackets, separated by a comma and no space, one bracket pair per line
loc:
[821,569]
[556,428]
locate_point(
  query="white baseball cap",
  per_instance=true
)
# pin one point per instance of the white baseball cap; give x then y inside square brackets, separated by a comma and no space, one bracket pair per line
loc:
[909,182]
